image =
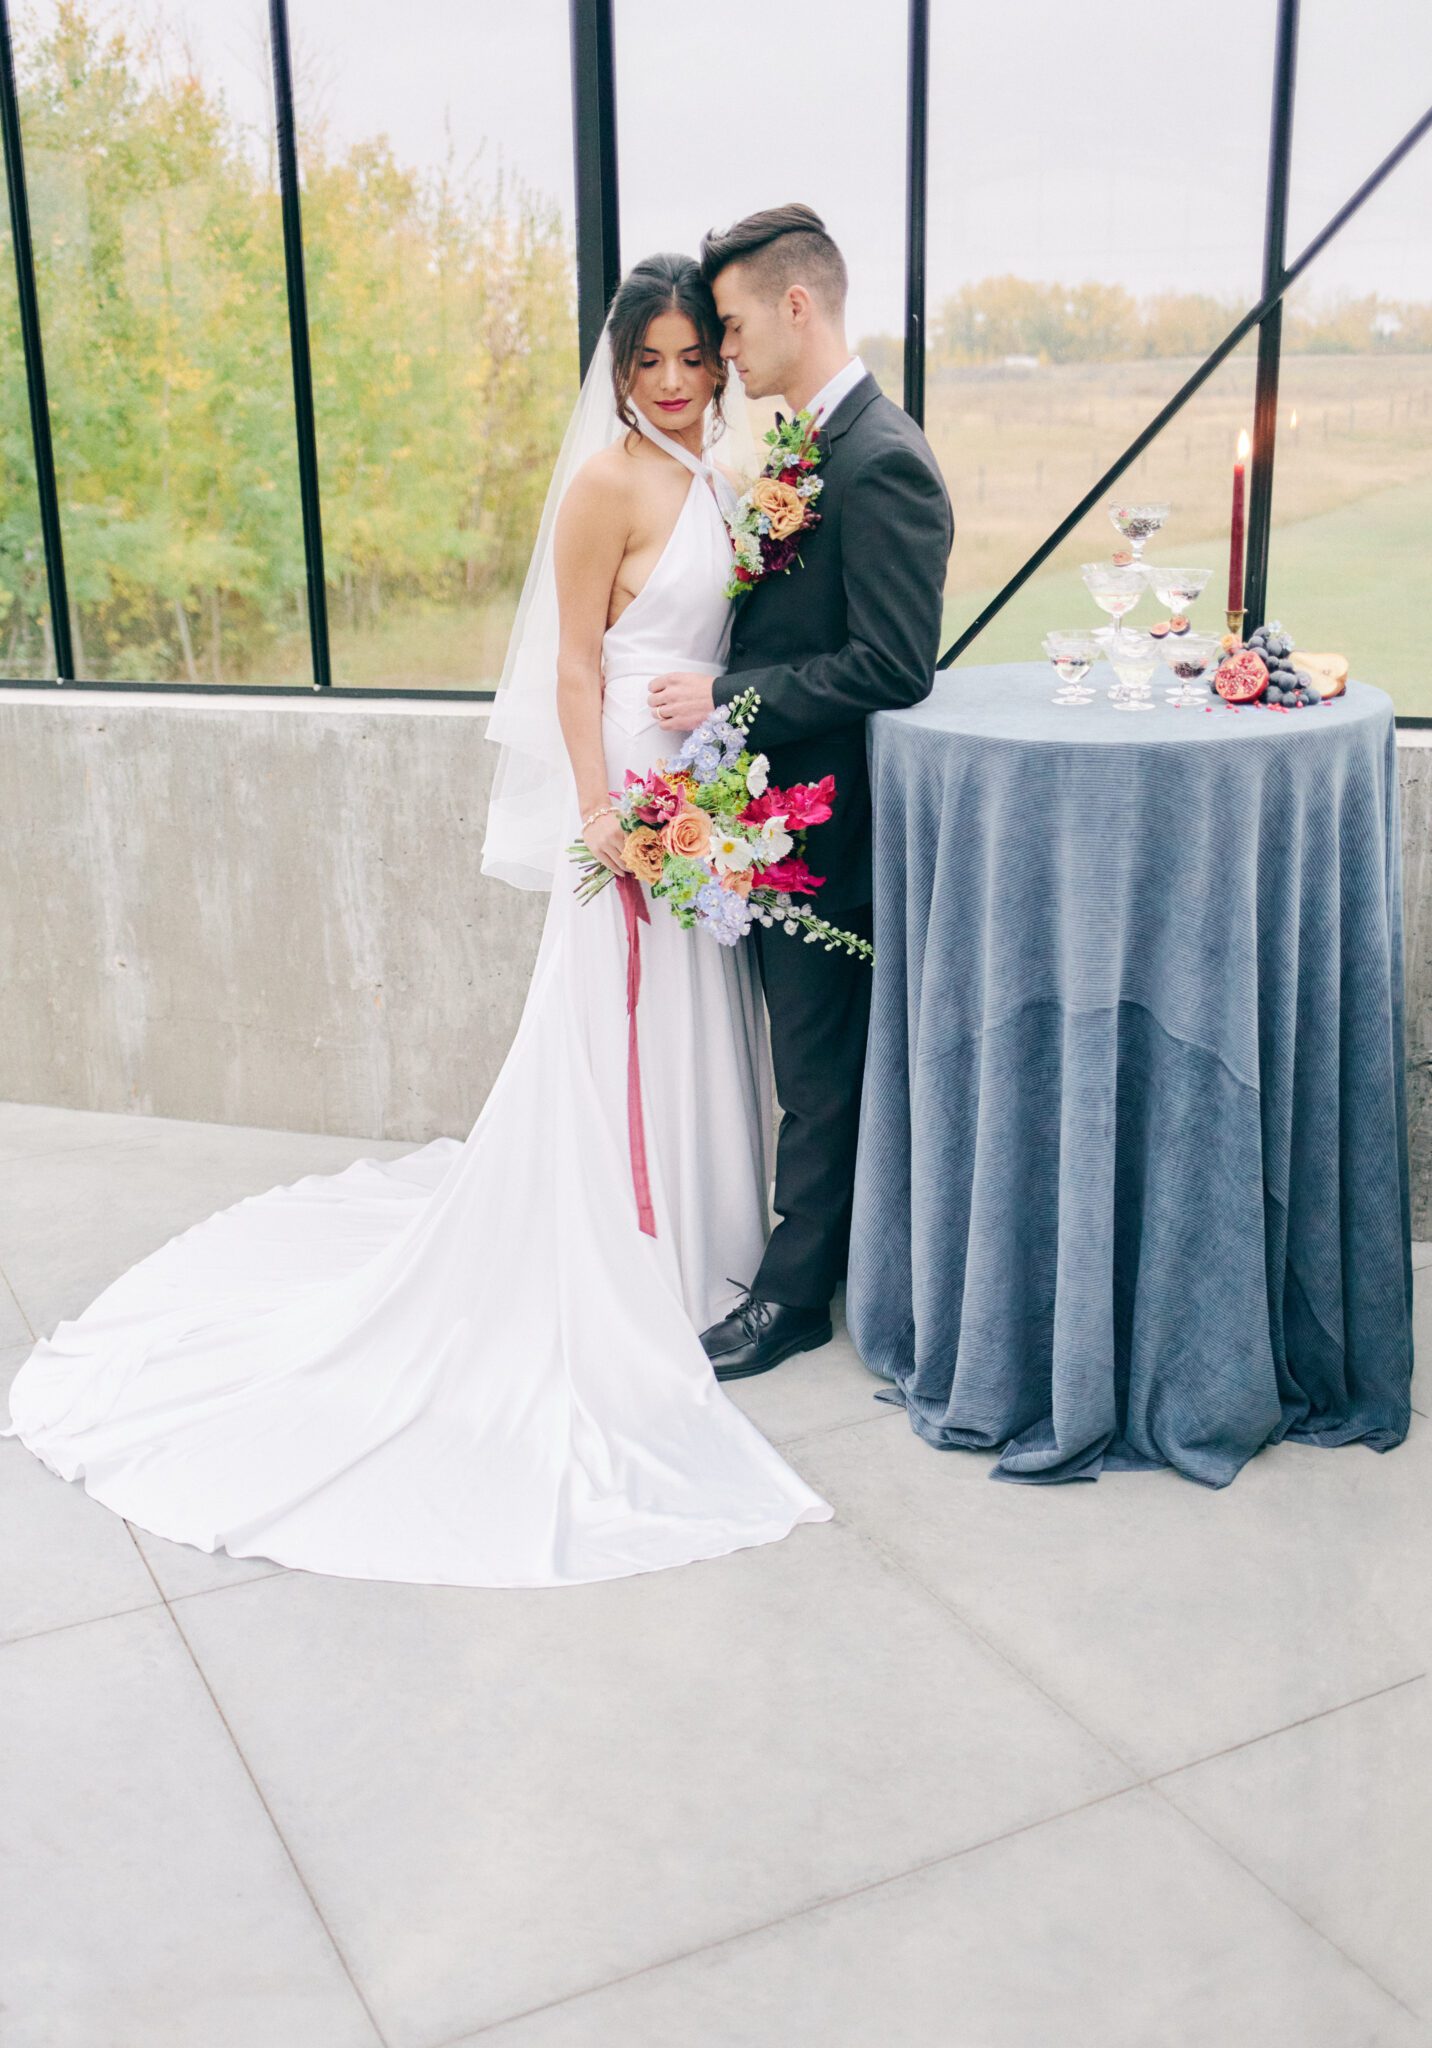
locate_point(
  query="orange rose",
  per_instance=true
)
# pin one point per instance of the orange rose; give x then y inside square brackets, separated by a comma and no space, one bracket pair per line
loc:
[782,505]
[643,854]
[688,833]
[739,884]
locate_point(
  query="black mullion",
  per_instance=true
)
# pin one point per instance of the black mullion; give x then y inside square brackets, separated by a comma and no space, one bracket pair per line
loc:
[46,488]
[303,418]
[1270,332]
[917,167]
[1200,377]
[594,152]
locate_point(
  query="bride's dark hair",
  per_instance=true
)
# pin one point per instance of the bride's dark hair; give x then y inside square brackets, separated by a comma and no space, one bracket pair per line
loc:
[657,285]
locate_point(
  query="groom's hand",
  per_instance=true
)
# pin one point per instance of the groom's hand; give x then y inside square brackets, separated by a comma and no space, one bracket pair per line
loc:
[681,700]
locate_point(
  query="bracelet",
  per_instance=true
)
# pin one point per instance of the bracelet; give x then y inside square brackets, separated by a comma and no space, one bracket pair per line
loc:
[602,811]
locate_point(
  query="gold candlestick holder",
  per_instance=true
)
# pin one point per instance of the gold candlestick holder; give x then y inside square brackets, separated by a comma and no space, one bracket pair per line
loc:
[1235,620]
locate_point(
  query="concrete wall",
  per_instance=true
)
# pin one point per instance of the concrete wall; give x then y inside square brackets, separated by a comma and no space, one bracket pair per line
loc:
[271,913]
[254,913]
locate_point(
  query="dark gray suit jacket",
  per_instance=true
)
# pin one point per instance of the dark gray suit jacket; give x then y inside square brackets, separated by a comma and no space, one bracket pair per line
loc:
[854,627]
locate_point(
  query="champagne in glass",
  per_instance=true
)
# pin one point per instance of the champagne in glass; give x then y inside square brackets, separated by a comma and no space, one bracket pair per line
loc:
[1073,655]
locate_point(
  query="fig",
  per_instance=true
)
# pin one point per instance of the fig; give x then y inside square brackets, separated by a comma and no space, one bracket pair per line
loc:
[1178,624]
[1159,629]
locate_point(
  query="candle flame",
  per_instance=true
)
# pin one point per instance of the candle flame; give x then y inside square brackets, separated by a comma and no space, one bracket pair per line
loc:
[1243,444]
[1294,421]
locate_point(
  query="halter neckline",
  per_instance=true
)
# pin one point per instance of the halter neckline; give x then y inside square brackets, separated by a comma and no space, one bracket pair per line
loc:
[697,465]
[717,482]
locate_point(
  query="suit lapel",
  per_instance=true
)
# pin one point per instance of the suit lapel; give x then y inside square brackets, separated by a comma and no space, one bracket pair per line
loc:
[849,410]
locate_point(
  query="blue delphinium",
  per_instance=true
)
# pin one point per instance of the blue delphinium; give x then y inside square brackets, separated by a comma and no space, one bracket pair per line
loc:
[714,745]
[723,913]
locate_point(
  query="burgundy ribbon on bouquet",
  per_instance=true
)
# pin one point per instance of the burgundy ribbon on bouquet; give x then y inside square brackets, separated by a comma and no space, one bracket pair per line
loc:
[634,910]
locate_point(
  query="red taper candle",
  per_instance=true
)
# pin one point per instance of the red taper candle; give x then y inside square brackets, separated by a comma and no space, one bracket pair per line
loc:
[1235,543]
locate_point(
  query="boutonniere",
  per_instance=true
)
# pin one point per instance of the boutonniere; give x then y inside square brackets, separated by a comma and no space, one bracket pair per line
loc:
[769,518]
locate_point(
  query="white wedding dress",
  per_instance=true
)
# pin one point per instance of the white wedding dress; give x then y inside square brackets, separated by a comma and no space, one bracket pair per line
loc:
[469,1366]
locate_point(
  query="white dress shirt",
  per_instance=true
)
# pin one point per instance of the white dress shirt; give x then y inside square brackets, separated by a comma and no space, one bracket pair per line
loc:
[830,395]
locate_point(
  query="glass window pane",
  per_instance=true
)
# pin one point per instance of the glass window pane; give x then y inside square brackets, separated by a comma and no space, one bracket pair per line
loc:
[1352,481]
[159,270]
[717,118]
[1189,467]
[1095,227]
[27,652]
[436,170]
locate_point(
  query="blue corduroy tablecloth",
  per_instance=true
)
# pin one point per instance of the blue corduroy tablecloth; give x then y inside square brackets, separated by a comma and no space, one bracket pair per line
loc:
[1133,1186]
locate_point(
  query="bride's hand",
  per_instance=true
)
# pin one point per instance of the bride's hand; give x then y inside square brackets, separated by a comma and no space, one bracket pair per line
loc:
[605,838]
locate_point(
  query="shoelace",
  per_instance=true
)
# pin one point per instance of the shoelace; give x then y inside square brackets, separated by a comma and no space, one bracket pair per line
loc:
[751,1313]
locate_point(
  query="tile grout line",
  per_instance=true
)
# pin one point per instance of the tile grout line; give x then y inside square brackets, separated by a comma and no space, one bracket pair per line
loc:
[58,1628]
[1306,1721]
[807,1436]
[996,1650]
[19,1305]
[1318,1933]
[1149,1783]
[141,1607]
[248,1771]
[873,1884]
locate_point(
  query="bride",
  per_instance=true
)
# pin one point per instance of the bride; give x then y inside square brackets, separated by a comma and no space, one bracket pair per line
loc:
[473,1365]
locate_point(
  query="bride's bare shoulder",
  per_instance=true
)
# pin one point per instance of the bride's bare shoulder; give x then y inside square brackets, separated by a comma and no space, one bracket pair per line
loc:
[602,488]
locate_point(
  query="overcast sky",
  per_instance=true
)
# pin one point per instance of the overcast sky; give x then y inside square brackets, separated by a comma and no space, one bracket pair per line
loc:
[1070,139]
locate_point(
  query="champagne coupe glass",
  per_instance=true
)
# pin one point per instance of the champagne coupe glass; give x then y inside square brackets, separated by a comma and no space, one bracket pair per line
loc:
[1115,588]
[1137,523]
[1176,588]
[1190,657]
[1133,658]
[1073,655]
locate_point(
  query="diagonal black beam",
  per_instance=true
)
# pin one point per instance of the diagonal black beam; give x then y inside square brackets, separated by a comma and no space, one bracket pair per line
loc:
[917,179]
[46,487]
[1195,383]
[1270,332]
[594,152]
[304,428]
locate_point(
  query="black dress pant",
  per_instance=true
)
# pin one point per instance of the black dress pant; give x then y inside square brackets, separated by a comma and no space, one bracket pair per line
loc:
[819,1006]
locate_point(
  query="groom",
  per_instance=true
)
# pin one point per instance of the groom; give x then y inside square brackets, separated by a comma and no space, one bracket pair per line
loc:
[854,628]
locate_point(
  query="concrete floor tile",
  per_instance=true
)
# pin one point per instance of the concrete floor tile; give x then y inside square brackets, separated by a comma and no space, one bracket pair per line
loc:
[73,1221]
[13,1327]
[145,1901]
[1171,1620]
[12,1357]
[815,1390]
[1422,1253]
[1422,1339]
[498,1799]
[63,1558]
[1336,1817]
[181,1569]
[1118,1927]
[32,1129]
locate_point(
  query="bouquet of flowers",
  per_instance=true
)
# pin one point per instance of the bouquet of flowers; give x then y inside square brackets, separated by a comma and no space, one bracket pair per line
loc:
[707,833]
[771,516]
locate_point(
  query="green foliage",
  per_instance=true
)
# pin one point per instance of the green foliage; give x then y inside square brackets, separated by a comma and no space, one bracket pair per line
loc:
[444,357]
[1100,323]
[681,881]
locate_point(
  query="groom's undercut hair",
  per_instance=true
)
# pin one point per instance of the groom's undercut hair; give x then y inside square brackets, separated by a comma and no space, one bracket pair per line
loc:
[779,247]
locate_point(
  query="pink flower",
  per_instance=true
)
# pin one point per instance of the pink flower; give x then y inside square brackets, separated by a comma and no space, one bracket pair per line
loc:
[663,802]
[803,804]
[791,875]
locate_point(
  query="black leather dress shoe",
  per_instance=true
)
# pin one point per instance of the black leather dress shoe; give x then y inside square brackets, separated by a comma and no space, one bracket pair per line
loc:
[759,1334]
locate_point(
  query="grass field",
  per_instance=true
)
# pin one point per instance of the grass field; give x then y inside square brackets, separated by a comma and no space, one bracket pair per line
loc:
[1352,542]
[1351,557]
